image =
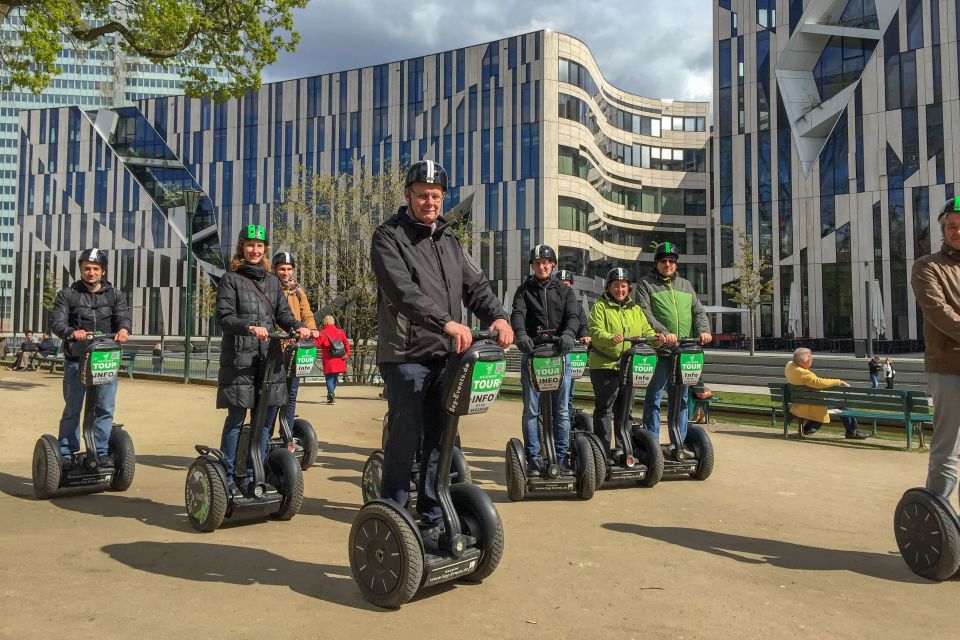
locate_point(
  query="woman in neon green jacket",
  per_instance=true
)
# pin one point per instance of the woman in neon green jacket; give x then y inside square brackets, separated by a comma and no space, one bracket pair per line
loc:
[615,316]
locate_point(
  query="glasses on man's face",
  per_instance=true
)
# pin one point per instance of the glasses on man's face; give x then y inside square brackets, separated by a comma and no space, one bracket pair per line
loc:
[667,261]
[423,198]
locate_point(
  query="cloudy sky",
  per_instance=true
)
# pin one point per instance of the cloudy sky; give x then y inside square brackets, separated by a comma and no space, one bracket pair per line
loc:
[655,48]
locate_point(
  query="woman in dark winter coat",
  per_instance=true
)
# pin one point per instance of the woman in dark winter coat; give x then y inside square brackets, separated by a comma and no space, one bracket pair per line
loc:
[250,305]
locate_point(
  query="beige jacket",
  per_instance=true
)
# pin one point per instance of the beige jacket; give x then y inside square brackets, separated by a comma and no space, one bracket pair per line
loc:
[795,374]
[936,283]
[300,306]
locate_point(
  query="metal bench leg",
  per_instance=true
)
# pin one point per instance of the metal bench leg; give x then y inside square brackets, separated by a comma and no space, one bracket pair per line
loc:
[874,430]
[909,433]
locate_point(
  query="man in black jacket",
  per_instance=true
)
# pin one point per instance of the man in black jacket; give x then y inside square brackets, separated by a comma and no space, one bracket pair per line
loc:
[541,303]
[583,333]
[90,305]
[423,277]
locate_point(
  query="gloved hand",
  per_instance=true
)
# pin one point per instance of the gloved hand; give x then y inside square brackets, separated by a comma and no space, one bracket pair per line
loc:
[566,344]
[524,344]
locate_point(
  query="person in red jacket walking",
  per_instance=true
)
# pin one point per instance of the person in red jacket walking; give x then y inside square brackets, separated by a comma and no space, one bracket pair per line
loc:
[334,351]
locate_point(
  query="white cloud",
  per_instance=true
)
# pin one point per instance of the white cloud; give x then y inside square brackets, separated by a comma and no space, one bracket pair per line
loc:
[655,49]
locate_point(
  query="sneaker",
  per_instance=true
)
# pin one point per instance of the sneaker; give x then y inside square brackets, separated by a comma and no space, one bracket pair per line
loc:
[533,468]
[856,434]
[329,398]
[104,460]
[430,533]
[566,469]
[809,431]
[233,491]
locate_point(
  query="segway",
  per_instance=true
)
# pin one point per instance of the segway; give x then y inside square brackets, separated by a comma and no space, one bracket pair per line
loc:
[372,477]
[274,489]
[300,437]
[928,534]
[545,368]
[99,366]
[695,457]
[636,457]
[389,558]
[581,422]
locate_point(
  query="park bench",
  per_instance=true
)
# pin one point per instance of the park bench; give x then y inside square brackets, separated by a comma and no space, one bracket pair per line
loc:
[911,408]
[127,362]
[718,401]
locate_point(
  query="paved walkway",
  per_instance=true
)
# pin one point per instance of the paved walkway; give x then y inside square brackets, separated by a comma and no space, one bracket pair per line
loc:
[787,539]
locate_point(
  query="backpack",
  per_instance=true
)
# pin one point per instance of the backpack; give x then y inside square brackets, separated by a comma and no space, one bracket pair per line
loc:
[337,348]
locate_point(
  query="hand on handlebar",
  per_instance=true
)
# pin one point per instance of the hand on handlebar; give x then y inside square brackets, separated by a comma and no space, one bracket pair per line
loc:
[304,334]
[705,338]
[461,334]
[79,334]
[617,339]
[504,332]
[586,340]
[670,339]
[260,333]
[121,336]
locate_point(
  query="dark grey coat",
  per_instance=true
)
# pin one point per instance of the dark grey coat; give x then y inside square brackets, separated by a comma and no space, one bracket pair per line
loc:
[242,356]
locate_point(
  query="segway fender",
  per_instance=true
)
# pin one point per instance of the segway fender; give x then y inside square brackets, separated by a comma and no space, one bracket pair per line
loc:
[286,461]
[402,511]
[482,507]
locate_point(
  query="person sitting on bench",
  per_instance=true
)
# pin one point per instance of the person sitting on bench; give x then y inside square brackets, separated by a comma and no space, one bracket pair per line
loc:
[812,416]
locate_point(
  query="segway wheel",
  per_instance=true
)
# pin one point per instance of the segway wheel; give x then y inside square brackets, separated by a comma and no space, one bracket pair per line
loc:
[46,467]
[599,460]
[372,477]
[385,556]
[698,440]
[287,476]
[206,496]
[305,434]
[460,470]
[586,471]
[516,478]
[648,451]
[124,457]
[927,535]
[479,518]
[582,421]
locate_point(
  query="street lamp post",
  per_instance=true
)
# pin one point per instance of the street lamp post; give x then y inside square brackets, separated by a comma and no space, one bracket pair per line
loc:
[191,198]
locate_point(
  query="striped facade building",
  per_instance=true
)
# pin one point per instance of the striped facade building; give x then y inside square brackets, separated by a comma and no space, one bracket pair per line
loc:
[832,118]
[538,146]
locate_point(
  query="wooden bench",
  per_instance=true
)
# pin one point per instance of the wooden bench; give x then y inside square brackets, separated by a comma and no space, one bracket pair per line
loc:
[912,408]
[127,363]
[718,401]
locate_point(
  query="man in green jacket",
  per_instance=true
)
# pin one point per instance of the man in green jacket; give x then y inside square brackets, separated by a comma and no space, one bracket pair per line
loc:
[936,284]
[672,308]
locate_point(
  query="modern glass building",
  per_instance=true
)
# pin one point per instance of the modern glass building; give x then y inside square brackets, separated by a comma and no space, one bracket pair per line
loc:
[539,147]
[103,76]
[832,118]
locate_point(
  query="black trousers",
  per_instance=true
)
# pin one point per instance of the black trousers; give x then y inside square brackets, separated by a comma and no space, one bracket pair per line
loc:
[606,389]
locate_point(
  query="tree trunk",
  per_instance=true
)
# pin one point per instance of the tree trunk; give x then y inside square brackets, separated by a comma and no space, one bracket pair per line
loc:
[752,332]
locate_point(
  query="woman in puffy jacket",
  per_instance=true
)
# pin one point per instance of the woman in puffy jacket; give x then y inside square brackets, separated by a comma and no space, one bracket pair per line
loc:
[333,365]
[250,306]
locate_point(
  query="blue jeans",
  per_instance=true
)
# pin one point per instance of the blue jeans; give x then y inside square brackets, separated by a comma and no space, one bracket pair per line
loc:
[292,403]
[230,438]
[331,379]
[73,395]
[531,411]
[651,402]
[874,380]
[415,403]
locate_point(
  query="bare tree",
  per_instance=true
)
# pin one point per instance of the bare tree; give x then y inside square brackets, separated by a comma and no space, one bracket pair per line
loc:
[753,286]
[206,300]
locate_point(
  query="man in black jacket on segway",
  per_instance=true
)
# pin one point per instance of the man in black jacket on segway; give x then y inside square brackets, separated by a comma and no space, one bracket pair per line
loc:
[423,277]
[88,306]
[543,302]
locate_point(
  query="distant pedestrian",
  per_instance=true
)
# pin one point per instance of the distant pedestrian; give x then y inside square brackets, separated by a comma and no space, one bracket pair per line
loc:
[888,372]
[874,367]
[157,357]
[334,351]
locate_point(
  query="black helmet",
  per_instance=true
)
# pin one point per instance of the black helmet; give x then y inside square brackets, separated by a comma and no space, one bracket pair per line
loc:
[284,257]
[666,250]
[950,206]
[565,276]
[98,256]
[543,251]
[618,274]
[254,232]
[429,172]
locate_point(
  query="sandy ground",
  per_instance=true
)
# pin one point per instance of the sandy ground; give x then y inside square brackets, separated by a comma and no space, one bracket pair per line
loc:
[787,539]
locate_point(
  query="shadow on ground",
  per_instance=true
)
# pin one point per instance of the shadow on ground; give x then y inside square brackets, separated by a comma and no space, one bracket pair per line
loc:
[825,439]
[786,555]
[202,562]
[17,385]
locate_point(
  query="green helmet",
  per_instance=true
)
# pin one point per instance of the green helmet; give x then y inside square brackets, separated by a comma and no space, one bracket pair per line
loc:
[666,250]
[950,206]
[254,232]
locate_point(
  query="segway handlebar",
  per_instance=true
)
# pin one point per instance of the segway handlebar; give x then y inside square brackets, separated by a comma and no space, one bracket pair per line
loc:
[547,336]
[652,340]
[485,334]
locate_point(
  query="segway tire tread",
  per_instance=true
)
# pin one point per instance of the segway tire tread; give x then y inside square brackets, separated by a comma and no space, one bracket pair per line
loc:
[307,435]
[293,495]
[648,450]
[516,478]
[46,467]
[125,459]
[408,546]
[586,470]
[914,513]
[213,516]
[599,460]
[698,440]
[371,480]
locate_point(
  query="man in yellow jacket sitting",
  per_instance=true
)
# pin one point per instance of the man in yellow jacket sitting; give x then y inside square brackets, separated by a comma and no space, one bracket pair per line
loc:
[812,416]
